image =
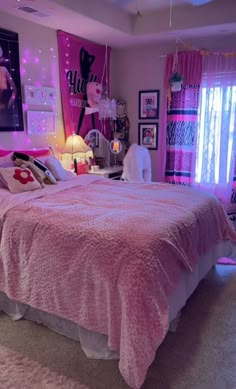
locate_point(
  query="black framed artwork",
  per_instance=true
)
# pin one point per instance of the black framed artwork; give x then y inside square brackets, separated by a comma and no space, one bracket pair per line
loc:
[149,104]
[148,135]
[11,114]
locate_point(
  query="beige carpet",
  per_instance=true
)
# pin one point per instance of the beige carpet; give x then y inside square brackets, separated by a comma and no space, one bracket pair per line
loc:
[200,355]
[17,371]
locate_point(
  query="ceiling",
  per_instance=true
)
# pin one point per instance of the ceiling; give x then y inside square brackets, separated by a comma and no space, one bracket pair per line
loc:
[133,6]
[116,22]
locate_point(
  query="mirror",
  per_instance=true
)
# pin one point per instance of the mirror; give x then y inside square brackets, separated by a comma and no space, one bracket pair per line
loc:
[100,146]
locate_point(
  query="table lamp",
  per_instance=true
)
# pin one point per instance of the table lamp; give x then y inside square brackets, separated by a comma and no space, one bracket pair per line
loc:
[77,148]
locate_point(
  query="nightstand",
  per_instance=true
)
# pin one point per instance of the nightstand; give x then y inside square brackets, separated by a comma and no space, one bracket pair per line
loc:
[113,172]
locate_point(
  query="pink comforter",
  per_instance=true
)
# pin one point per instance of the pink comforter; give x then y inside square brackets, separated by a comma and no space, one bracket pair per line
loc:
[107,255]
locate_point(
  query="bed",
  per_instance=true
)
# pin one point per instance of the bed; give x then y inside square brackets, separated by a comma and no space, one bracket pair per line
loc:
[94,256]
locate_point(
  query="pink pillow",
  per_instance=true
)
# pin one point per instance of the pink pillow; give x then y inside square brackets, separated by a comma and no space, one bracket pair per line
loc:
[32,152]
[18,180]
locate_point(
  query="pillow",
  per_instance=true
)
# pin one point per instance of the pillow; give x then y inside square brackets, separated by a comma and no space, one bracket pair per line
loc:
[233,195]
[36,153]
[5,162]
[40,171]
[18,180]
[6,158]
[43,159]
[56,168]
[2,183]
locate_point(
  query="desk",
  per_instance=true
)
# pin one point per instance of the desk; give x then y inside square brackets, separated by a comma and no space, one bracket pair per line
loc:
[113,172]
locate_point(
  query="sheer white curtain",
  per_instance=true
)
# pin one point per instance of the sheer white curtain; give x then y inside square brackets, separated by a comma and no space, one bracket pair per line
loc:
[216,139]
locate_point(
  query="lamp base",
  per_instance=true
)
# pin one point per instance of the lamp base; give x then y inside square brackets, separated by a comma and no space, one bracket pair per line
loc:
[75,166]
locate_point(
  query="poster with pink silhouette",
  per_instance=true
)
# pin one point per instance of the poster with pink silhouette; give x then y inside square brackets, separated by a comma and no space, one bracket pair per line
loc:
[82,68]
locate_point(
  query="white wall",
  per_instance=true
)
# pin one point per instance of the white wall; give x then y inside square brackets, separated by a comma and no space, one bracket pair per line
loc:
[39,65]
[136,69]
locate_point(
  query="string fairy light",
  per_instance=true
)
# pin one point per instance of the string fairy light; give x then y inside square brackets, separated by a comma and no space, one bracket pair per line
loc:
[171,9]
[106,106]
[190,47]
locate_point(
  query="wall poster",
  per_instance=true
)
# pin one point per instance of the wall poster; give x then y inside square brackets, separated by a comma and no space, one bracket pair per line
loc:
[11,115]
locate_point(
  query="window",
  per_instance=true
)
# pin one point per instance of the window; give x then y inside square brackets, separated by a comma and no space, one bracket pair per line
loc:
[216,134]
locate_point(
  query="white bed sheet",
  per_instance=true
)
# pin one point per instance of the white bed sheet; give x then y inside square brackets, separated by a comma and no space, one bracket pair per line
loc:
[95,345]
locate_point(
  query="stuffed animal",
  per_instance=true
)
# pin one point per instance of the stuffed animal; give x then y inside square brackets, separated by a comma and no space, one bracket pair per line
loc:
[39,170]
[94,92]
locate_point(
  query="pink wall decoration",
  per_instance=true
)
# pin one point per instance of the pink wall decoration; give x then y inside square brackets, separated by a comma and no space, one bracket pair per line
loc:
[80,62]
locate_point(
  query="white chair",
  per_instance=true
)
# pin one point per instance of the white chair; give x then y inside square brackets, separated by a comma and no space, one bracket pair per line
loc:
[137,165]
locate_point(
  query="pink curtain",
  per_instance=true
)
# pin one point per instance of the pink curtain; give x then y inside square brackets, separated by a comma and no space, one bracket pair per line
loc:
[189,66]
[216,141]
[182,118]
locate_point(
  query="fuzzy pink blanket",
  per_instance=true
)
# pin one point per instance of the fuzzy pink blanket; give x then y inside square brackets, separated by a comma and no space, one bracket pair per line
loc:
[106,256]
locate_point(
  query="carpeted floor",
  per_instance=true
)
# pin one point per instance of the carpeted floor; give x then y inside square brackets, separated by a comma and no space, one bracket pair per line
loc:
[200,355]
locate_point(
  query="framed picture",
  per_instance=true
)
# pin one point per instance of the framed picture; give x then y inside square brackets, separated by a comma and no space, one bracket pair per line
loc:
[149,104]
[11,115]
[148,135]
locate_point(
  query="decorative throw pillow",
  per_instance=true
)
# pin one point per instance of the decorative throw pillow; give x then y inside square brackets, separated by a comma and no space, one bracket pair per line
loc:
[18,180]
[2,183]
[56,168]
[5,162]
[40,171]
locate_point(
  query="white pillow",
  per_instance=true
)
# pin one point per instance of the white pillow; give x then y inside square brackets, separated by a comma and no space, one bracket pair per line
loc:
[5,162]
[7,158]
[18,180]
[56,168]
[43,159]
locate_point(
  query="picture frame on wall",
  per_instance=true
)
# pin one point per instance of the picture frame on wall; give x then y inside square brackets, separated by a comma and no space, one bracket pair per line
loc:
[148,135]
[11,114]
[149,104]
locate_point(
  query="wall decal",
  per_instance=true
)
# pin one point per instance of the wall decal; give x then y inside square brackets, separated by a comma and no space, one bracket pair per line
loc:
[40,95]
[41,123]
